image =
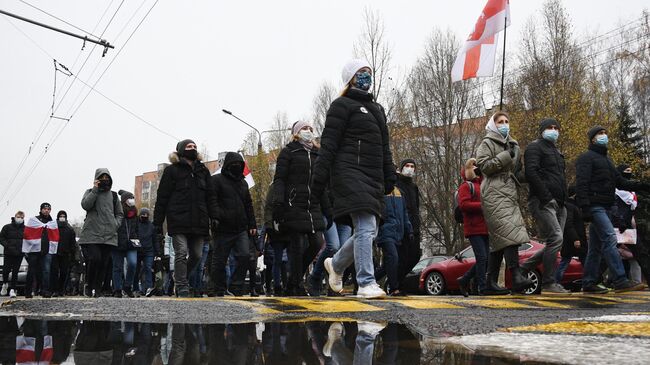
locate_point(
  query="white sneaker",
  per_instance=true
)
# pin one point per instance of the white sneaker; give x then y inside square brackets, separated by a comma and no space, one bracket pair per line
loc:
[12,293]
[371,291]
[3,291]
[370,328]
[149,292]
[334,333]
[334,280]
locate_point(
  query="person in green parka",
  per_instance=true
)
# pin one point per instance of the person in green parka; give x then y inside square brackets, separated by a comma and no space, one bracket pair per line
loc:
[498,156]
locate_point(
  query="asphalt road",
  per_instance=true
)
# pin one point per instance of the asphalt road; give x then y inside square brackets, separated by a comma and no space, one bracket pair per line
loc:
[571,328]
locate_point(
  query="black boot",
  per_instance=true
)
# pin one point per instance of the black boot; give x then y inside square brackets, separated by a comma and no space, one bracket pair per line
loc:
[491,286]
[519,281]
[463,286]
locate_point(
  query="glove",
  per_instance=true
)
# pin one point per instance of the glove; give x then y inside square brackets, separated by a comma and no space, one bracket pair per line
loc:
[329,220]
[586,214]
[622,228]
[278,212]
[388,188]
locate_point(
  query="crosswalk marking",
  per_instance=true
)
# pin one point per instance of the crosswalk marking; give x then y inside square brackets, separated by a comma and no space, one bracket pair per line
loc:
[425,304]
[325,306]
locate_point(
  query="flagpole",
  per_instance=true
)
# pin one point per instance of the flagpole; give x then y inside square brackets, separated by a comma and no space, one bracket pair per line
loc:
[503,62]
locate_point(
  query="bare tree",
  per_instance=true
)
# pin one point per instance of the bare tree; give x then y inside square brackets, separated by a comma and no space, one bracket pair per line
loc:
[322,101]
[278,135]
[373,47]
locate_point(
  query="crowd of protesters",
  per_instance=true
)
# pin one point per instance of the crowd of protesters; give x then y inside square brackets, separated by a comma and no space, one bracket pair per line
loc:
[334,202]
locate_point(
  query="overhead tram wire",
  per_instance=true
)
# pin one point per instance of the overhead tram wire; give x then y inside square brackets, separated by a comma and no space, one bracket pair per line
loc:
[54,139]
[59,19]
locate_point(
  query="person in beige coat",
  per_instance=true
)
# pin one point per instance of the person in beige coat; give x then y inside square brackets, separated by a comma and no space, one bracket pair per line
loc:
[498,156]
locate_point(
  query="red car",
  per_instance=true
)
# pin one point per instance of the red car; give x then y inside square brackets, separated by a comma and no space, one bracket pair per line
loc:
[440,277]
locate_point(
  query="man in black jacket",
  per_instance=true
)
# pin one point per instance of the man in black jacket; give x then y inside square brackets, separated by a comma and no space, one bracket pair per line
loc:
[186,201]
[64,254]
[409,251]
[236,222]
[544,166]
[597,180]
[11,238]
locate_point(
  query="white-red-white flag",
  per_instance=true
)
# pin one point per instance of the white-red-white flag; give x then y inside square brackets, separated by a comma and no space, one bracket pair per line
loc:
[476,57]
[247,175]
[33,233]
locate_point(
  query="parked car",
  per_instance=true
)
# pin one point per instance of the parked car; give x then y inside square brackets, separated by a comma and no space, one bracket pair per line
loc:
[411,283]
[22,273]
[440,277]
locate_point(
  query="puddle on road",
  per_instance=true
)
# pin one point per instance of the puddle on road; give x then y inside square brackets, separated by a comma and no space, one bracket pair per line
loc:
[314,342]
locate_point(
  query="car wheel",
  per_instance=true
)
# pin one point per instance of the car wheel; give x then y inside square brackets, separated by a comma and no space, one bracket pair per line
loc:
[435,283]
[536,278]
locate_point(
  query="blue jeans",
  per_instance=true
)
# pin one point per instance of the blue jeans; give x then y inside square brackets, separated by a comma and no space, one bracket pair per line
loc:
[38,269]
[333,238]
[561,268]
[196,276]
[391,263]
[147,270]
[358,249]
[602,244]
[481,246]
[279,255]
[131,257]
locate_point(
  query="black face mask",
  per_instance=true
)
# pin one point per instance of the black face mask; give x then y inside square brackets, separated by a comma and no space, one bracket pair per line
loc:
[236,170]
[190,154]
[104,185]
[144,218]
[627,175]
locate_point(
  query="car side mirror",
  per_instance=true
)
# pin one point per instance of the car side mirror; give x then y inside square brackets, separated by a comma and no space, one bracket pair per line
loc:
[458,257]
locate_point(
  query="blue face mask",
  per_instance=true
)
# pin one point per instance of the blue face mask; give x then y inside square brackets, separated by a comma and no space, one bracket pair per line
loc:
[551,135]
[363,80]
[602,140]
[504,129]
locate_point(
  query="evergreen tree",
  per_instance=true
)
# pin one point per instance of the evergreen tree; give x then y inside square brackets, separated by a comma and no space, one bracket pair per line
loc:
[628,130]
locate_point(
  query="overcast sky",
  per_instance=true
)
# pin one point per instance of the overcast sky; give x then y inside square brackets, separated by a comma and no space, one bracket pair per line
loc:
[188,60]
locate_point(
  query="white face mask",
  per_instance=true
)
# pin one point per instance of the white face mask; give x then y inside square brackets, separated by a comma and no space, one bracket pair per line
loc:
[306,135]
[62,219]
[408,171]
[130,202]
[18,220]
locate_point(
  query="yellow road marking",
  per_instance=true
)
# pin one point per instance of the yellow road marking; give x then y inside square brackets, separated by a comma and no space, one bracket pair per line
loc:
[327,306]
[424,304]
[492,303]
[591,328]
[547,303]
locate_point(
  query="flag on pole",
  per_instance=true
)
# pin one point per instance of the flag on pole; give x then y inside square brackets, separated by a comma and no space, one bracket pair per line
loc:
[476,57]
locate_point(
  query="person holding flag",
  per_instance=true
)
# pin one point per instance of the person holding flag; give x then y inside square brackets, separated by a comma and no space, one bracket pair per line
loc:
[40,243]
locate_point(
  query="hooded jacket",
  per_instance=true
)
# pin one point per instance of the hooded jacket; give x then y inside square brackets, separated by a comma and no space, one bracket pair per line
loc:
[411,194]
[293,173]
[235,206]
[499,189]
[275,236]
[103,215]
[355,157]
[396,219]
[67,239]
[470,204]
[147,236]
[184,198]
[544,166]
[11,238]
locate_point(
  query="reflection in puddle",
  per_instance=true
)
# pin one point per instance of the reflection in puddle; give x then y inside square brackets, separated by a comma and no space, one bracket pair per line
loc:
[27,341]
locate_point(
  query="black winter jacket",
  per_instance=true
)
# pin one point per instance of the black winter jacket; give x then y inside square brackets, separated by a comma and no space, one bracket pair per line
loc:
[11,238]
[597,179]
[269,228]
[234,204]
[147,236]
[544,168]
[184,198]
[622,215]
[127,231]
[411,194]
[67,239]
[355,157]
[300,211]
[574,230]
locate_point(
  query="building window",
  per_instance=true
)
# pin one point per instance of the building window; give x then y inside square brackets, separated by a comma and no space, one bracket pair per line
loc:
[146,190]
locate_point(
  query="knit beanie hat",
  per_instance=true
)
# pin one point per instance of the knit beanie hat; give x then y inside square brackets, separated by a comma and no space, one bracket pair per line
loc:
[45,205]
[144,211]
[180,146]
[594,131]
[297,126]
[61,213]
[351,68]
[405,161]
[125,195]
[547,122]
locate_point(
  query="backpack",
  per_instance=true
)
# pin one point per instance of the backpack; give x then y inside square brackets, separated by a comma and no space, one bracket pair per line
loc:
[458,214]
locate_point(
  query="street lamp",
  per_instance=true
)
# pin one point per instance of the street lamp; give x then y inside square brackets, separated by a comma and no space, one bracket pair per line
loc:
[259,142]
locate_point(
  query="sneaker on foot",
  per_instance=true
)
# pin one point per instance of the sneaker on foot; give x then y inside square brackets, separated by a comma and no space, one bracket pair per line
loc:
[594,289]
[334,280]
[12,293]
[334,333]
[371,291]
[371,328]
[149,292]
[554,288]
[3,291]
[628,285]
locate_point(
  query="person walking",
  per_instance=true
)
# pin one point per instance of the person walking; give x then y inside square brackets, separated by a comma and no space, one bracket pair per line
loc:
[596,183]
[127,248]
[99,232]
[356,162]
[499,159]
[11,239]
[65,253]
[409,251]
[40,240]
[474,227]
[295,208]
[235,224]
[146,254]
[186,201]
[544,167]
[574,239]
[278,242]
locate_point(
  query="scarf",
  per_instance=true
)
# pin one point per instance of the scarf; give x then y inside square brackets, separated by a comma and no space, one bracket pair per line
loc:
[34,232]
[628,197]
[492,126]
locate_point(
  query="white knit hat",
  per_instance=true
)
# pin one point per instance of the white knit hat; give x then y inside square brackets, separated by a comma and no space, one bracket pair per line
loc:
[351,68]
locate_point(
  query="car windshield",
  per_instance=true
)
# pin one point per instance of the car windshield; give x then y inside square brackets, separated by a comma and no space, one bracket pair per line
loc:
[467,254]
[422,264]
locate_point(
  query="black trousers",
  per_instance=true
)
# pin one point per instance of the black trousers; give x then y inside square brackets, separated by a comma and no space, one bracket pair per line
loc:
[238,243]
[61,266]
[11,265]
[98,260]
[303,249]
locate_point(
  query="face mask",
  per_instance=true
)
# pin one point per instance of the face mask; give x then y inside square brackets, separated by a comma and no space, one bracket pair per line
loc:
[363,80]
[18,220]
[551,135]
[62,219]
[130,202]
[408,171]
[602,140]
[627,175]
[306,135]
[144,218]
[104,185]
[236,170]
[504,129]
[191,154]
